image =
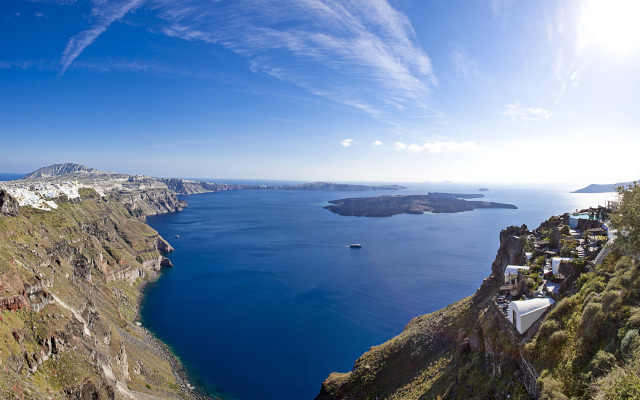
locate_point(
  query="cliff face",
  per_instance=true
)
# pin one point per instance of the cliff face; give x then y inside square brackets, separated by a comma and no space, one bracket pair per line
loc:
[149,202]
[8,205]
[69,294]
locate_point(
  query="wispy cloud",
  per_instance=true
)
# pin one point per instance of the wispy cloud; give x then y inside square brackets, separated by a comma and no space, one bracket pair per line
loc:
[526,114]
[463,64]
[104,14]
[347,142]
[376,143]
[439,147]
[362,54]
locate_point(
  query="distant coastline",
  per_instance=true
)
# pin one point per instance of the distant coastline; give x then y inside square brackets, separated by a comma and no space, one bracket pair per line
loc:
[602,188]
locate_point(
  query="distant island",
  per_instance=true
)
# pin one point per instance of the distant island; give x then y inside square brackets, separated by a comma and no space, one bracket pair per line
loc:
[483,190]
[386,206]
[103,182]
[595,188]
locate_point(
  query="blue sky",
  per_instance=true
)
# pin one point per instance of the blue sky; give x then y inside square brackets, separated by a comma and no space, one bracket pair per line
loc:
[351,90]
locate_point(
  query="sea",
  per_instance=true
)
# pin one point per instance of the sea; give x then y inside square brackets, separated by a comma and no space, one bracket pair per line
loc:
[266,298]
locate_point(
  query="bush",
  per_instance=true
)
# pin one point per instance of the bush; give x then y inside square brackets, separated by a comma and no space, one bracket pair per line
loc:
[548,328]
[634,320]
[563,309]
[619,384]
[601,363]
[551,389]
[630,343]
[592,321]
[612,301]
[557,339]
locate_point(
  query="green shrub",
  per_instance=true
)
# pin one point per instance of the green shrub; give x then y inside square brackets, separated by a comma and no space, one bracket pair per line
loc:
[592,297]
[612,301]
[551,389]
[619,384]
[563,309]
[557,339]
[601,363]
[592,321]
[548,328]
[634,320]
[630,343]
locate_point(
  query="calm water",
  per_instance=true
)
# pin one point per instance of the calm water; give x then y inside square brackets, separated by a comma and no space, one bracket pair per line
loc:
[265,298]
[10,176]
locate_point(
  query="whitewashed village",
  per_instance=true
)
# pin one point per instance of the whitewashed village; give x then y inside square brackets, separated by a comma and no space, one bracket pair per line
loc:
[40,195]
[556,254]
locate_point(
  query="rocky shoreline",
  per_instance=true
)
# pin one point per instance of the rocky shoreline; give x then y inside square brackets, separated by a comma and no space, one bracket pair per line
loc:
[188,387]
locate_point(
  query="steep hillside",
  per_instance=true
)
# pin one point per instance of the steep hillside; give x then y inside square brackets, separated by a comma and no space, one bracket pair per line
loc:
[69,292]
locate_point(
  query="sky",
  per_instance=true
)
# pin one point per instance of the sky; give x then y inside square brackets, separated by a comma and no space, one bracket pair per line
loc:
[329,90]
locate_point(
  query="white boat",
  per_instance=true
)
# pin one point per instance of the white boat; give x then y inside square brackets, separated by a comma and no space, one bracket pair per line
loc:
[355,245]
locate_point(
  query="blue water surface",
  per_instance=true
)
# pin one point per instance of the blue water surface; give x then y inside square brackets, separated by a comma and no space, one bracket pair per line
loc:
[266,299]
[6,176]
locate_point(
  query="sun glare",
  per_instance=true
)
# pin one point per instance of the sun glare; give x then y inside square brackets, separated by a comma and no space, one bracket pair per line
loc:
[612,25]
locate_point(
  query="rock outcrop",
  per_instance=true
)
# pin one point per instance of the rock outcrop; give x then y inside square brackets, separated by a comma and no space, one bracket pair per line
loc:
[8,205]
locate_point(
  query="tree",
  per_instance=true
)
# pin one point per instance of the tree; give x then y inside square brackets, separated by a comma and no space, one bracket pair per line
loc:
[626,219]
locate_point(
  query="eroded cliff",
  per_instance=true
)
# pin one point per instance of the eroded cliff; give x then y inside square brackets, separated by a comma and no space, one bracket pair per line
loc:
[69,292]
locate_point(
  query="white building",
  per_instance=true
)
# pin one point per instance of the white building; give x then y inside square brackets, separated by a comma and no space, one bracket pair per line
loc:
[523,313]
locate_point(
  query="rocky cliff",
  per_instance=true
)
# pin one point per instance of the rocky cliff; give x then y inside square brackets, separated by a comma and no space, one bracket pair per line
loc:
[69,292]
[8,205]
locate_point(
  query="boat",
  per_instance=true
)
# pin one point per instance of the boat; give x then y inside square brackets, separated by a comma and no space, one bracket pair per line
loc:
[355,245]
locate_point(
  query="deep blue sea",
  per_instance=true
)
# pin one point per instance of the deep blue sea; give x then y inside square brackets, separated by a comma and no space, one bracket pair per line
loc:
[5,176]
[265,298]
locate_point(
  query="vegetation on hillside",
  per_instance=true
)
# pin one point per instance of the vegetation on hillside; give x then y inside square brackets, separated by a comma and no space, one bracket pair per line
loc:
[68,302]
[589,346]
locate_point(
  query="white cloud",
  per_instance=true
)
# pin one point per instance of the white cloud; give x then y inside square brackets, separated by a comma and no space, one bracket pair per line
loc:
[105,14]
[439,147]
[526,114]
[376,143]
[451,147]
[414,148]
[347,142]
[363,53]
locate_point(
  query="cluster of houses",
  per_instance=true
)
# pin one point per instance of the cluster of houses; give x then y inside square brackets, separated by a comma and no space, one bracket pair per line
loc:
[556,253]
[40,195]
